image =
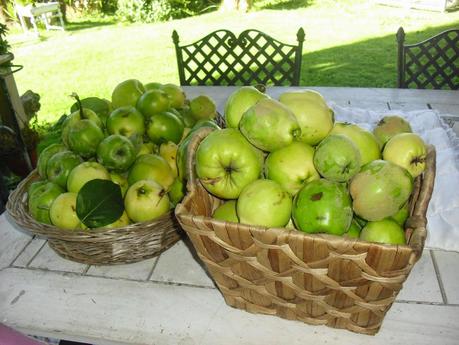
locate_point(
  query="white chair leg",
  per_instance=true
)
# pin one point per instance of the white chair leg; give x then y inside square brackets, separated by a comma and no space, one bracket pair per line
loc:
[23,24]
[34,24]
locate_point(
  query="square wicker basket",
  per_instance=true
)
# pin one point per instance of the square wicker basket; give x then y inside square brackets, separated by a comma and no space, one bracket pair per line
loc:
[104,246]
[315,278]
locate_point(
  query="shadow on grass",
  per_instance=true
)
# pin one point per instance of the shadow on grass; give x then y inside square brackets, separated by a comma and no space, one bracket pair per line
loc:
[369,63]
[283,4]
[88,24]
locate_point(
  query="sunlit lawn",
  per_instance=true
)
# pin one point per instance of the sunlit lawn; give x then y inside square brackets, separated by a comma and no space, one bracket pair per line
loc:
[348,43]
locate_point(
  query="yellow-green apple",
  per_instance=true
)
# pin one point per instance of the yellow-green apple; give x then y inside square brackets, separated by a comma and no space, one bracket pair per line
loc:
[41,200]
[147,147]
[238,102]
[226,162]
[380,189]
[383,231]
[407,150]
[152,86]
[85,172]
[121,181]
[176,95]
[227,212]
[389,126]
[127,93]
[176,192]
[313,114]
[120,222]
[169,152]
[366,142]
[126,121]
[63,212]
[337,158]
[203,107]
[151,167]
[322,206]
[292,166]
[60,165]
[83,137]
[265,203]
[45,155]
[269,125]
[116,152]
[146,200]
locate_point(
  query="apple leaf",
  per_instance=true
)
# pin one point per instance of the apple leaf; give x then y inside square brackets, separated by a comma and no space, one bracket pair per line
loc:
[99,203]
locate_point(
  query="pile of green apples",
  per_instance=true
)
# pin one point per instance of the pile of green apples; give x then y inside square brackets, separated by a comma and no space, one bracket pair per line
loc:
[286,163]
[131,141]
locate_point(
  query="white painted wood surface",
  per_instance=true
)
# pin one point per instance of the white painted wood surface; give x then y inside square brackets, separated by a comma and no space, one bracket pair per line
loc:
[171,300]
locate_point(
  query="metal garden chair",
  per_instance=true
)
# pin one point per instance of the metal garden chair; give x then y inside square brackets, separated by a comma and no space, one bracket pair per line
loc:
[430,64]
[253,57]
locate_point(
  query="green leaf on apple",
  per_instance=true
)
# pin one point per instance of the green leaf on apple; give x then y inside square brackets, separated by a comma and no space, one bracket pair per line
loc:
[99,203]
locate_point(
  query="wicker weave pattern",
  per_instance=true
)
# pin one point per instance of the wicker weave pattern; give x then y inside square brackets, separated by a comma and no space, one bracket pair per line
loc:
[318,279]
[128,244]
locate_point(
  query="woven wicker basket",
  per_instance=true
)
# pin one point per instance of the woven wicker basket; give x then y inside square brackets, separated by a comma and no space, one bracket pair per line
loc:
[318,279]
[128,244]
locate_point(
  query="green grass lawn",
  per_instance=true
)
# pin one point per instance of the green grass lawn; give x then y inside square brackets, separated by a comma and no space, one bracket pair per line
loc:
[348,43]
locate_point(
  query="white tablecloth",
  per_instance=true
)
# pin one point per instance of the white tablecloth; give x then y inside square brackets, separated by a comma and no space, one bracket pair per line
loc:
[443,211]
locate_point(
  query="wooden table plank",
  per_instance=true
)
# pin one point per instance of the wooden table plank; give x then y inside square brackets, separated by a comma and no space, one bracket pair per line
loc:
[130,312]
[12,241]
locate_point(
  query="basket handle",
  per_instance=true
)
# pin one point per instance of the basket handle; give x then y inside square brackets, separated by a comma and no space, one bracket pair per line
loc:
[418,220]
[197,138]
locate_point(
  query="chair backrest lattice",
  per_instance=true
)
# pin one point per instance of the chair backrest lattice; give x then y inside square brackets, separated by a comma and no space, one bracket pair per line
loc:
[430,64]
[253,57]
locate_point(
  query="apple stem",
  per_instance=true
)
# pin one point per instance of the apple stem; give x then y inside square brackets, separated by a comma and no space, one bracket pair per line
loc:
[80,107]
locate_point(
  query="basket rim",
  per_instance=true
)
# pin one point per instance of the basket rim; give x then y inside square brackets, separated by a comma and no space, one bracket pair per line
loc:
[16,208]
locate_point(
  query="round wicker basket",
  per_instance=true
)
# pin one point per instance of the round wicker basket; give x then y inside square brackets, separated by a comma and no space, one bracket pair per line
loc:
[103,246]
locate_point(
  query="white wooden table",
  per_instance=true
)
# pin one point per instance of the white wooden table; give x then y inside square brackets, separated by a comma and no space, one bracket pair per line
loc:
[171,300]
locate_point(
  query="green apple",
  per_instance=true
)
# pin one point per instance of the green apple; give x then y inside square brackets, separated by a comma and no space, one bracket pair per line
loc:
[226,212]
[176,95]
[126,121]
[389,126]
[100,106]
[269,125]
[407,150]
[84,114]
[226,162]
[146,200]
[127,93]
[153,86]
[45,155]
[402,215]
[354,230]
[164,127]
[337,158]
[383,231]
[60,165]
[176,192]
[85,172]
[120,222]
[238,102]
[40,203]
[314,116]
[63,212]
[84,137]
[153,102]
[264,203]
[292,166]
[322,206]
[34,186]
[380,189]
[365,141]
[116,152]
[151,167]
[203,108]
[121,181]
